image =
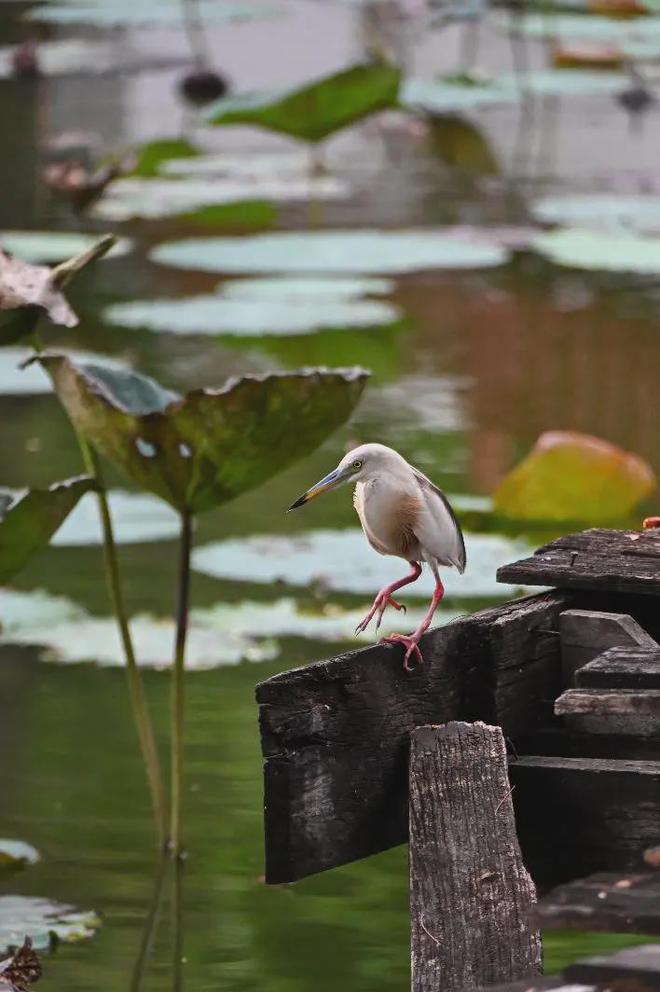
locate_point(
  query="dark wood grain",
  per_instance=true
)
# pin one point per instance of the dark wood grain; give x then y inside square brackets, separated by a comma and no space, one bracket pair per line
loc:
[611,901]
[635,969]
[335,735]
[576,816]
[470,895]
[607,560]
[539,985]
[621,668]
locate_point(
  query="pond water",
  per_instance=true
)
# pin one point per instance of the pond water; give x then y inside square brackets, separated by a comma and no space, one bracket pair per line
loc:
[469,366]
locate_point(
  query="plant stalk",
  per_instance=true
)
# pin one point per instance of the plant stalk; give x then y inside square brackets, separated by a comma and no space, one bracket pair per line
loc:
[178,676]
[135,686]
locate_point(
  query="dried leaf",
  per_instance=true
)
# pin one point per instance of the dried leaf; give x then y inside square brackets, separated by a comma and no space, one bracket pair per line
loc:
[25,285]
[19,972]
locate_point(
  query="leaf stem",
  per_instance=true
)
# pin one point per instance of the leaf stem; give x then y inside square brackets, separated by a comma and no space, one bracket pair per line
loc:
[178,675]
[135,686]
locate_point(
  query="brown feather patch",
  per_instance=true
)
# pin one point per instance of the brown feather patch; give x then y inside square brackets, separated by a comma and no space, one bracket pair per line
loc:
[404,522]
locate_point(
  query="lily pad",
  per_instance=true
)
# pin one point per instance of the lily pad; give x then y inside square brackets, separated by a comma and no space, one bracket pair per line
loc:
[437,96]
[343,561]
[211,314]
[36,609]
[205,448]
[31,380]
[319,109]
[28,522]
[603,251]
[16,853]
[289,163]
[569,476]
[54,246]
[153,199]
[351,251]
[137,518]
[295,288]
[23,285]
[43,920]
[573,27]
[641,213]
[123,13]
[76,56]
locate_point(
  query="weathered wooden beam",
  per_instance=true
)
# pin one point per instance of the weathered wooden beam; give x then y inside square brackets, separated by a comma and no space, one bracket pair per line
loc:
[609,702]
[622,668]
[335,735]
[540,985]
[582,815]
[635,969]
[470,895]
[565,742]
[609,901]
[608,560]
[586,634]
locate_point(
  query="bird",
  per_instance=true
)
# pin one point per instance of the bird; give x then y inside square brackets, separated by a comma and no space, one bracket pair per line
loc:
[405,515]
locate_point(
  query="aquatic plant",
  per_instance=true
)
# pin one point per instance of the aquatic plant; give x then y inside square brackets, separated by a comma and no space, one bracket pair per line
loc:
[195,452]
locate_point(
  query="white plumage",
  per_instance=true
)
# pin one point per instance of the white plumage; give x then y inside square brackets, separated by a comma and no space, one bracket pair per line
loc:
[402,514]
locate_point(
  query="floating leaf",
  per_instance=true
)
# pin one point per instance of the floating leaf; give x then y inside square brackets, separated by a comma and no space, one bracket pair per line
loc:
[205,448]
[136,517]
[351,251]
[55,246]
[587,56]
[123,13]
[317,110]
[19,972]
[641,212]
[19,380]
[36,609]
[290,163]
[24,285]
[211,314]
[569,476]
[438,96]
[461,145]
[14,853]
[76,56]
[600,250]
[343,561]
[154,154]
[244,214]
[28,522]
[41,920]
[309,288]
[572,27]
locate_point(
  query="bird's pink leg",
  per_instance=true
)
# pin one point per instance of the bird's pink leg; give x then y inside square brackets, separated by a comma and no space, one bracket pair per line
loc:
[384,598]
[411,641]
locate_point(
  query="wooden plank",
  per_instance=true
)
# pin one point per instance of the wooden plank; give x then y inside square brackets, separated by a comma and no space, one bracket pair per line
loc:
[470,895]
[610,560]
[586,634]
[568,743]
[576,816]
[609,702]
[622,668]
[335,735]
[609,901]
[540,985]
[635,969]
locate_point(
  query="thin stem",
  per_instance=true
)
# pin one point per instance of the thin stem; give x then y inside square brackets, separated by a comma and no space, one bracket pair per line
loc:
[194,27]
[177,906]
[178,674]
[135,686]
[150,927]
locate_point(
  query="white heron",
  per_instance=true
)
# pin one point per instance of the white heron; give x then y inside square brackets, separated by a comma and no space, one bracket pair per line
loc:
[402,514]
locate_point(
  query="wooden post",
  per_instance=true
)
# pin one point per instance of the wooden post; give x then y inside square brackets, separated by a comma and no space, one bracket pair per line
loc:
[470,894]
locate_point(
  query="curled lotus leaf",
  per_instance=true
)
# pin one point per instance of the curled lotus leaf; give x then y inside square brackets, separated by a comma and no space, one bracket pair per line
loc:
[29,520]
[568,476]
[319,109]
[22,286]
[203,449]
[16,853]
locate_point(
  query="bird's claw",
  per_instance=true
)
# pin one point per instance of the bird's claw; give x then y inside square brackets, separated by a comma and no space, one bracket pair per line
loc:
[379,607]
[411,645]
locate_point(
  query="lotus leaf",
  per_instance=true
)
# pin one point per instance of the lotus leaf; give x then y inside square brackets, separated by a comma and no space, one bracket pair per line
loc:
[604,251]
[342,560]
[315,111]
[136,518]
[42,920]
[569,476]
[19,379]
[28,522]
[15,853]
[209,446]
[639,212]
[154,154]
[352,251]
[319,288]
[54,246]
[123,13]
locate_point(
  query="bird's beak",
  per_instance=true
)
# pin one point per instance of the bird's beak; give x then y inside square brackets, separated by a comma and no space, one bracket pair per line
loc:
[328,482]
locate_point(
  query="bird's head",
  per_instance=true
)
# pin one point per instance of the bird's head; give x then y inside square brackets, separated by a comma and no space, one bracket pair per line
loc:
[359,465]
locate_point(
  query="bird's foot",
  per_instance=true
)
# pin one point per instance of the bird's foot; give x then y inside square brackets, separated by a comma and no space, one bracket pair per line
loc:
[411,644]
[380,604]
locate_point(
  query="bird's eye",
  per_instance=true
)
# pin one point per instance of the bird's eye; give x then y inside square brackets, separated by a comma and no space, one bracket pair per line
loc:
[357,464]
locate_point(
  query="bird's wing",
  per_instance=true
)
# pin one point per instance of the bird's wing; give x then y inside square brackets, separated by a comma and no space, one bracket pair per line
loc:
[438,530]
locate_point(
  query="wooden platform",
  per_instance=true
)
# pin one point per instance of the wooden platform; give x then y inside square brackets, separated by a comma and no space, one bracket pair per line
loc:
[612,560]
[613,902]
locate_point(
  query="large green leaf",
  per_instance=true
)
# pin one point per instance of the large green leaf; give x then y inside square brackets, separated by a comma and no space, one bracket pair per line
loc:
[570,476]
[315,111]
[28,522]
[209,446]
